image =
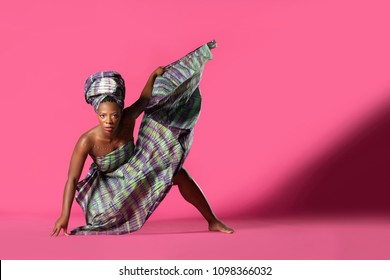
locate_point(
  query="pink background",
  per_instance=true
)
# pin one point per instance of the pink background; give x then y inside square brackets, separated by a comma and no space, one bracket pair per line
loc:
[295,116]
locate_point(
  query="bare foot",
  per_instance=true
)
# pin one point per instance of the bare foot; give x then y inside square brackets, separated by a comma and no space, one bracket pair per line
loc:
[219,226]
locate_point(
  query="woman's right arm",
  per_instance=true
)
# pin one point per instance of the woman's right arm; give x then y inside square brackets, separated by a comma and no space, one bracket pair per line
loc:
[77,161]
[133,111]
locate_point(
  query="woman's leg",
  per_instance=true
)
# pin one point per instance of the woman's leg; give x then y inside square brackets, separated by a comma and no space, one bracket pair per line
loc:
[194,195]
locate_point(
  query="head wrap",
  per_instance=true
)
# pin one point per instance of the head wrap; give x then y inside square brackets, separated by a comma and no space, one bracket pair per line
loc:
[102,84]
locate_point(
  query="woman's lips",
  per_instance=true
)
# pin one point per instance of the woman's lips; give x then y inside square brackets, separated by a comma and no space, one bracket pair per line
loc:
[109,129]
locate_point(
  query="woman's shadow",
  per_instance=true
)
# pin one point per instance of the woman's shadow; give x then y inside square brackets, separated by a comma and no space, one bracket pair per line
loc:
[352,178]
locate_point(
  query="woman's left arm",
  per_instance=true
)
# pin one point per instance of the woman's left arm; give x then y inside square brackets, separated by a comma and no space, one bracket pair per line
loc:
[133,111]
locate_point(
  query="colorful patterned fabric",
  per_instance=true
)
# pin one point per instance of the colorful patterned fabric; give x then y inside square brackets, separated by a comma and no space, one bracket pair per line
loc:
[102,84]
[124,187]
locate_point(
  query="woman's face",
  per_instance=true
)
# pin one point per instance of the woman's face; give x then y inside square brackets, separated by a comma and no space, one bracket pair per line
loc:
[109,115]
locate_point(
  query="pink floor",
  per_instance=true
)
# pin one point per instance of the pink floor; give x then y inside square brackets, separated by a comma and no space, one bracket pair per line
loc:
[25,237]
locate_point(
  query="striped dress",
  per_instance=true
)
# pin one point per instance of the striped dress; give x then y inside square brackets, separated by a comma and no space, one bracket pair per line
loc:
[124,187]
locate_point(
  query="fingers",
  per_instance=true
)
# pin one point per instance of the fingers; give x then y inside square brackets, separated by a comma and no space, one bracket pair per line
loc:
[56,231]
[159,71]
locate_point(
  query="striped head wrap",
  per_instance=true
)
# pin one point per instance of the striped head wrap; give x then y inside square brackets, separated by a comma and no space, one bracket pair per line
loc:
[102,84]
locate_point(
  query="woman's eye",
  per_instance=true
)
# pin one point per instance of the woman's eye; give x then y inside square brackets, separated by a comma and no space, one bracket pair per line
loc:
[102,116]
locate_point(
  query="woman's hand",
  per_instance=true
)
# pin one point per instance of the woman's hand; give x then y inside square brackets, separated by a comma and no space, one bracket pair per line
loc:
[159,71]
[61,223]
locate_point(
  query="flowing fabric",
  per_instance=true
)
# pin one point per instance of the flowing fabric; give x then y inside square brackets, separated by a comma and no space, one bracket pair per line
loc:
[124,187]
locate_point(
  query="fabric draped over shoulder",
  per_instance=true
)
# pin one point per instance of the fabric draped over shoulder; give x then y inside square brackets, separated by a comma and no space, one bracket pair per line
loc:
[124,187]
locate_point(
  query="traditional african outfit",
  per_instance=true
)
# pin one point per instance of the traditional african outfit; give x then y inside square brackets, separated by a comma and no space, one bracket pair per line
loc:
[124,187]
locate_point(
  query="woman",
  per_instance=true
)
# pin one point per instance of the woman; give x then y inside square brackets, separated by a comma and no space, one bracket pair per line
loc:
[126,183]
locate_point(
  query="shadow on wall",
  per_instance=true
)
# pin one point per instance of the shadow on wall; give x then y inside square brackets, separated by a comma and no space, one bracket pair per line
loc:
[352,178]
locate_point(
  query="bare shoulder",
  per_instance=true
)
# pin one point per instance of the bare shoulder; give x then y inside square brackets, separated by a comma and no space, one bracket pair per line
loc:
[128,116]
[126,126]
[86,141]
[80,153]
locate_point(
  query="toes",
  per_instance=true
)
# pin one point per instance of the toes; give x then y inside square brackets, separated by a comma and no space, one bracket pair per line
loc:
[221,227]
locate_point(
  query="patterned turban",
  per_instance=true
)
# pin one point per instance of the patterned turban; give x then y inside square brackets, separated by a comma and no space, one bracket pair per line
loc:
[102,84]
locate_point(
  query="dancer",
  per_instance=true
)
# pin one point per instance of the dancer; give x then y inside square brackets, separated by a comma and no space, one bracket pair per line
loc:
[126,182]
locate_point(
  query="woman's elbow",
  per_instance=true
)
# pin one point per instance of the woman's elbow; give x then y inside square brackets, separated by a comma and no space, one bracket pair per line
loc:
[72,181]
